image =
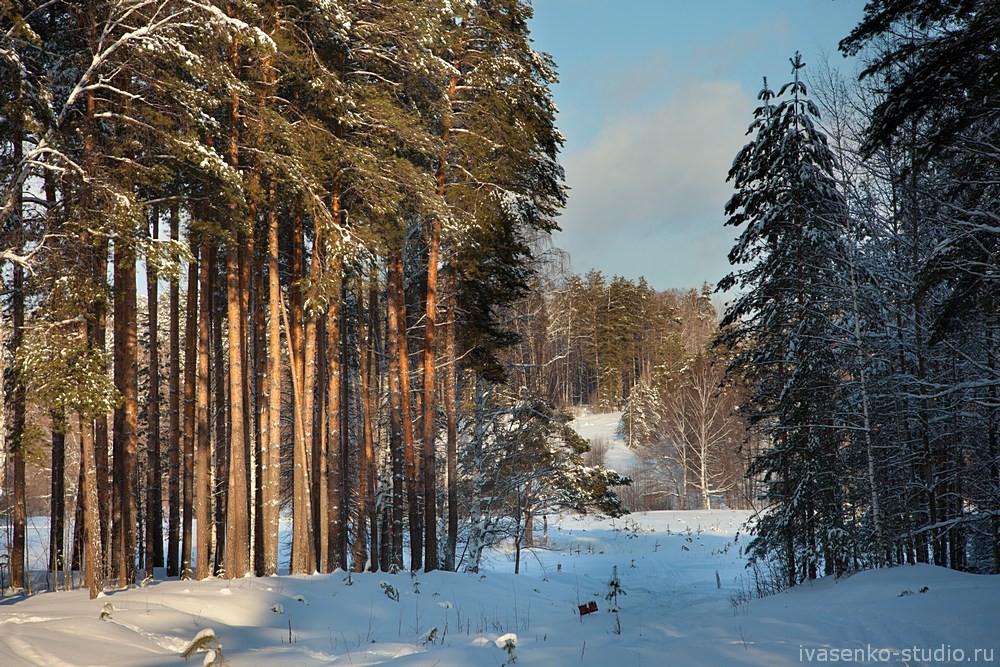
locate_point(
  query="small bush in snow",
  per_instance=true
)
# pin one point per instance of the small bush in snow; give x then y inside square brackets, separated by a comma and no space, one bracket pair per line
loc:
[508,643]
[206,641]
[614,590]
[416,584]
[389,590]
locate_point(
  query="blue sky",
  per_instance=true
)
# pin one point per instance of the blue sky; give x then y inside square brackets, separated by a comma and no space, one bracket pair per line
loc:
[655,97]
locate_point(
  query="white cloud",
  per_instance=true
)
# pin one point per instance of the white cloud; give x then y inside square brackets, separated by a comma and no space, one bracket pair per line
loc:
[741,43]
[658,177]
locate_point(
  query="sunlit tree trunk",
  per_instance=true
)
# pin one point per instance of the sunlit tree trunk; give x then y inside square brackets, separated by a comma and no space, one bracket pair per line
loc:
[203,443]
[94,482]
[428,407]
[93,559]
[237,532]
[250,393]
[237,550]
[451,407]
[412,472]
[309,417]
[303,561]
[271,461]
[337,536]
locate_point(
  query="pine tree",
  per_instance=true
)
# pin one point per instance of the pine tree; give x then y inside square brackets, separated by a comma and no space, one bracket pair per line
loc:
[528,461]
[497,174]
[643,418]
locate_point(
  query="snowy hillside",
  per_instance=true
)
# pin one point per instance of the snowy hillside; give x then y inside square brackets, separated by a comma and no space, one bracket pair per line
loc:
[599,429]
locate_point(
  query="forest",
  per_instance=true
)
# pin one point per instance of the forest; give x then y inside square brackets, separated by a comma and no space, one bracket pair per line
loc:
[865,328]
[294,259]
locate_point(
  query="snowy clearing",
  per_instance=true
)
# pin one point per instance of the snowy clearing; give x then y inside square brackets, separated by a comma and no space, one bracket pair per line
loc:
[671,611]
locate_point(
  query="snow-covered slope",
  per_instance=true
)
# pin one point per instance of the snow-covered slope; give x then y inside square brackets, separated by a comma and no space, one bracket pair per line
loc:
[600,427]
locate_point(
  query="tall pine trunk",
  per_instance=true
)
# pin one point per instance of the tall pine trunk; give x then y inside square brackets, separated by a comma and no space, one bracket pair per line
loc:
[308,413]
[245,256]
[18,556]
[269,362]
[337,536]
[429,407]
[18,566]
[174,415]
[397,452]
[237,532]
[346,469]
[94,482]
[271,461]
[57,519]
[220,407]
[430,353]
[365,536]
[451,406]
[260,407]
[190,363]
[154,496]
[101,443]
[93,558]
[126,416]
[303,561]
[320,495]
[203,444]
[409,448]
[237,553]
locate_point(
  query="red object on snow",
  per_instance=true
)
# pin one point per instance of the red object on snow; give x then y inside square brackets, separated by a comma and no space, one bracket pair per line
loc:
[588,608]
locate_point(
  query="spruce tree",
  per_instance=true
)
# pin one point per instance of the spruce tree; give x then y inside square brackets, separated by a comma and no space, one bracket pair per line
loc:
[788,262]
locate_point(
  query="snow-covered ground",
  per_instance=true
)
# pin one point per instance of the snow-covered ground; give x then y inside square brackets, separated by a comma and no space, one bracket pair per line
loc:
[683,602]
[600,427]
[673,610]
